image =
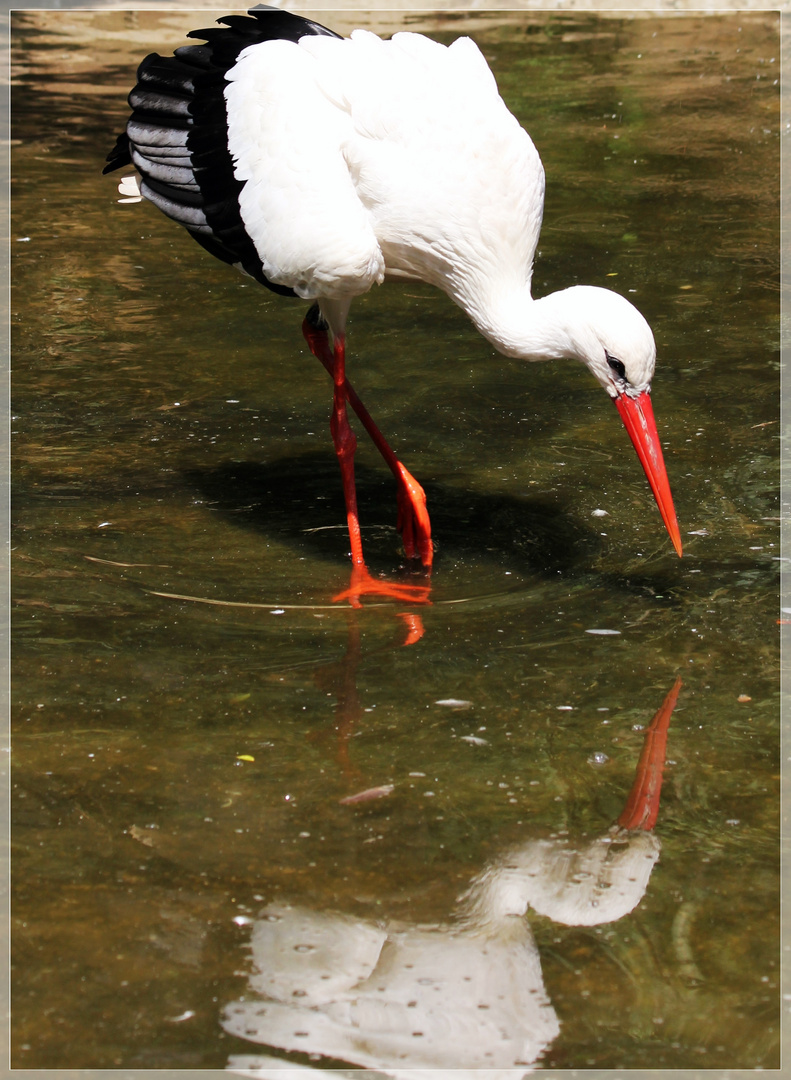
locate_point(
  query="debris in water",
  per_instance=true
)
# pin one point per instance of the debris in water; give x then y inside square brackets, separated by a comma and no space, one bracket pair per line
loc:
[366,796]
[598,758]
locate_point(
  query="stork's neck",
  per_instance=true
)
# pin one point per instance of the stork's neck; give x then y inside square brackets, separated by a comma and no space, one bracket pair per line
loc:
[519,326]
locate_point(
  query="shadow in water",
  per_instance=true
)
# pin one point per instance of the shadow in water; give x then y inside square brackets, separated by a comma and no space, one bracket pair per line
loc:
[301,498]
[327,988]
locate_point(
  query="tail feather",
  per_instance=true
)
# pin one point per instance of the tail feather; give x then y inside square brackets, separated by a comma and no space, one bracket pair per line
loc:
[129,189]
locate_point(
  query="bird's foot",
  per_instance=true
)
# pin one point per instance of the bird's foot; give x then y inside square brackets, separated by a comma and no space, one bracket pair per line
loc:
[363,583]
[413,520]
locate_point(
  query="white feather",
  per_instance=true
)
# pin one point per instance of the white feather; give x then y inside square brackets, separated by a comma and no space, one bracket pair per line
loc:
[386,148]
[363,158]
[298,203]
[130,187]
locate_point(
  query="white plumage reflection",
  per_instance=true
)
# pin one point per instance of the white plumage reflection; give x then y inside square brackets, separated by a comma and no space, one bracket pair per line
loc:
[323,166]
[417,1002]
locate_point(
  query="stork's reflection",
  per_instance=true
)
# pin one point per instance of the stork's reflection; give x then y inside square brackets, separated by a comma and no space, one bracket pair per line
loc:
[466,994]
[339,679]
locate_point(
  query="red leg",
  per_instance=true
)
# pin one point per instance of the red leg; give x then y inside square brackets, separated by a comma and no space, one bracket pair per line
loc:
[345,444]
[414,626]
[340,680]
[362,583]
[642,806]
[413,520]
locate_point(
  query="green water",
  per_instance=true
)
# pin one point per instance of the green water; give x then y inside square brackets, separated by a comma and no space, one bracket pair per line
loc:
[178,765]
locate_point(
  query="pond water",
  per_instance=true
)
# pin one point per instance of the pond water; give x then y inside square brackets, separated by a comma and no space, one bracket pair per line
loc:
[191,709]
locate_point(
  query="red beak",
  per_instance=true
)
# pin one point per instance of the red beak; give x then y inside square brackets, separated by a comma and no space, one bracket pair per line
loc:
[638,418]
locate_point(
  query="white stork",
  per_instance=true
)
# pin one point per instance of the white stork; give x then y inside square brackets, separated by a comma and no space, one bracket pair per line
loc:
[322,166]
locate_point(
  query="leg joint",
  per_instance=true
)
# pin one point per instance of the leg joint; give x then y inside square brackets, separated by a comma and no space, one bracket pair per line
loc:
[315,320]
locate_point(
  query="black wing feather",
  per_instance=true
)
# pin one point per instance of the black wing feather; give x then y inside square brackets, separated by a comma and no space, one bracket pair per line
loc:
[177,135]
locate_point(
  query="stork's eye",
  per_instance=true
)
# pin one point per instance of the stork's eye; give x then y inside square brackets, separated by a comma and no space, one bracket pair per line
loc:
[617,366]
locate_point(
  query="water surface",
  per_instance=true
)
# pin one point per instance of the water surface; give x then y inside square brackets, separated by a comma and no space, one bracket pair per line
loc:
[179,765]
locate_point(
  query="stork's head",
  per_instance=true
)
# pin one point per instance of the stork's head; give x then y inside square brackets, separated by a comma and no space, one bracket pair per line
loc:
[611,337]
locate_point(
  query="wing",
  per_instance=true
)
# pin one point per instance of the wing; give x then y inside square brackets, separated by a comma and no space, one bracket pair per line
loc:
[177,134]
[453,184]
[298,199]
[318,163]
